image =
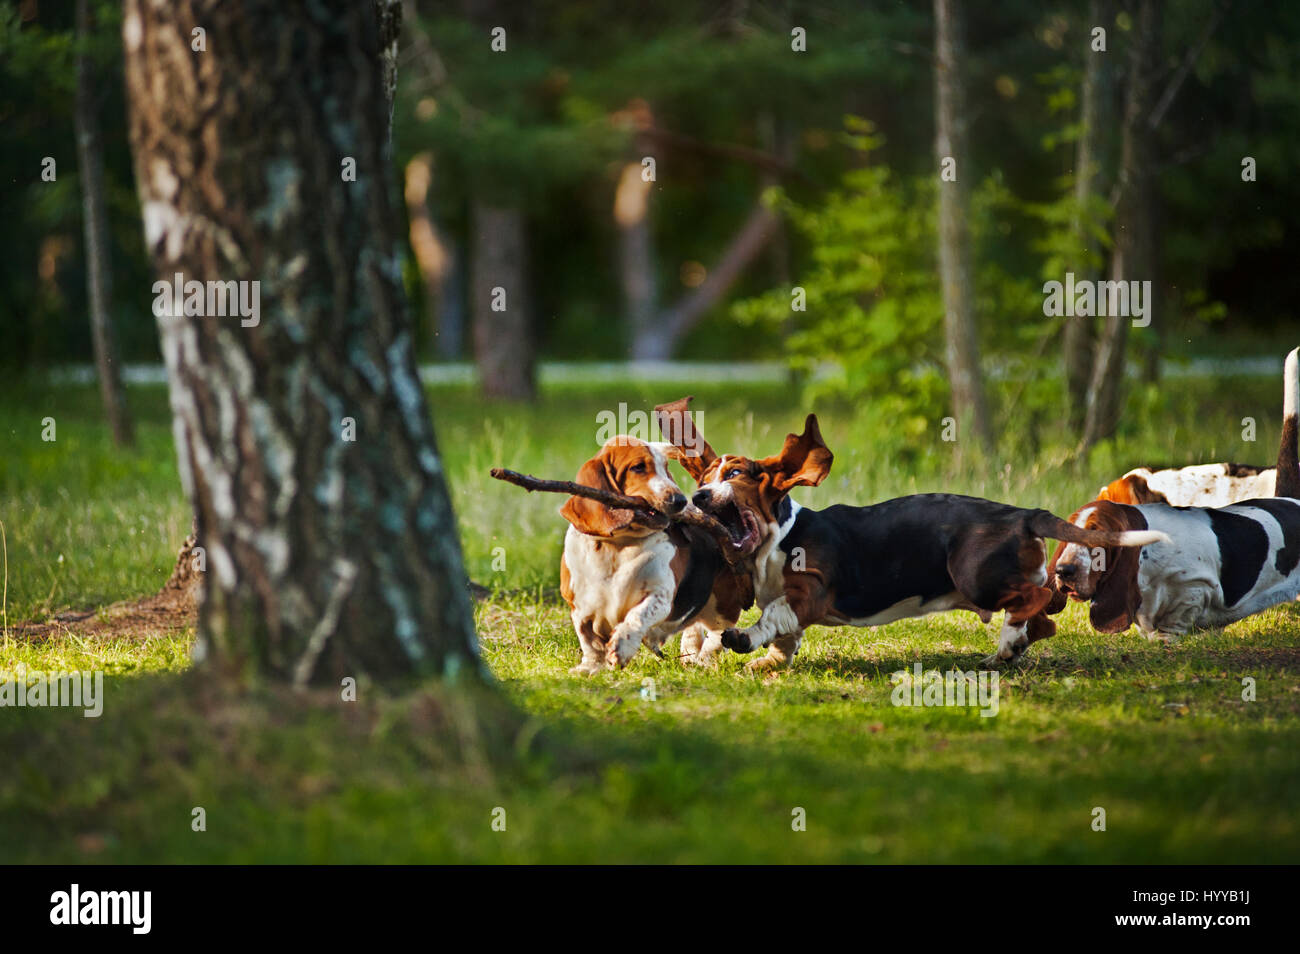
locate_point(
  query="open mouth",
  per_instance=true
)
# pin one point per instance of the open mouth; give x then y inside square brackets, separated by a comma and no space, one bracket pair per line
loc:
[742,526]
[1070,590]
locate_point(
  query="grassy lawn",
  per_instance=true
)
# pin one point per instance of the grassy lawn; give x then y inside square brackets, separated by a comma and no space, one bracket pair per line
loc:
[659,762]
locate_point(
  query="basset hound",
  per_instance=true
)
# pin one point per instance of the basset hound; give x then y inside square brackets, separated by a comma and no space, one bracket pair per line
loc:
[867,566]
[1216,565]
[1217,485]
[628,583]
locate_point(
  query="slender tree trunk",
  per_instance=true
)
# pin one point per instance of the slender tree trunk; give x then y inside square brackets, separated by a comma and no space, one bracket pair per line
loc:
[503,336]
[436,257]
[99,268]
[962,340]
[672,325]
[304,437]
[635,250]
[1094,127]
[1133,255]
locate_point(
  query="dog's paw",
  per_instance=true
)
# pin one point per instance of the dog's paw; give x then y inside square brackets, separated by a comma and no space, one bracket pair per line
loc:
[998,661]
[737,641]
[587,668]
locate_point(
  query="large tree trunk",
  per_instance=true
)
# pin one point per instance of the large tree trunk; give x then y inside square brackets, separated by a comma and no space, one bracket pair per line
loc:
[1094,127]
[1133,255]
[99,269]
[503,334]
[330,552]
[962,341]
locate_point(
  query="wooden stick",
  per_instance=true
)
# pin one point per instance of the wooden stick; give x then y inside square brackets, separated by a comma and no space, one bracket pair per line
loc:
[692,515]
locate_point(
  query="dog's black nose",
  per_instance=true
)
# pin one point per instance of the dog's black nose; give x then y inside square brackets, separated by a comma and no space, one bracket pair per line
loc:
[1066,571]
[676,503]
[700,498]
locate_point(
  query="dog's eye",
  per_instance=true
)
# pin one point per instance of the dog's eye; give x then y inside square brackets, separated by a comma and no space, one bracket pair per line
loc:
[734,472]
[637,469]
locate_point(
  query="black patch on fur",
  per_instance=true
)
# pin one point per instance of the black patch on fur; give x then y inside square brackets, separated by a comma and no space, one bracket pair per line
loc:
[1288,466]
[873,557]
[1243,547]
[1287,515]
[702,568]
[1244,470]
[783,511]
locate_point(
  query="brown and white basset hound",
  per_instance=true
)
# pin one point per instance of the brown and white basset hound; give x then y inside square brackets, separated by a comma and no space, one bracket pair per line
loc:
[1215,566]
[1217,485]
[867,566]
[628,583]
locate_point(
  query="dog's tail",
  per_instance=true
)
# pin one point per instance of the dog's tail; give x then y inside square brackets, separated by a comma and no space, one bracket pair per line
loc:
[1049,525]
[1288,464]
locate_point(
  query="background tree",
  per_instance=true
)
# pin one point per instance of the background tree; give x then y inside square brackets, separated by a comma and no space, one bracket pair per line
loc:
[304,440]
[98,252]
[1095,131]
[950,145]
[1133,254]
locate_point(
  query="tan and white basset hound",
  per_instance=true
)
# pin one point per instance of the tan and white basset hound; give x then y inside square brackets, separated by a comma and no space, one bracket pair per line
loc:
[629,584]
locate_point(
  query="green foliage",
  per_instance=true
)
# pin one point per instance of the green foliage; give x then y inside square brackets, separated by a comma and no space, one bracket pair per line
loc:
[874,320]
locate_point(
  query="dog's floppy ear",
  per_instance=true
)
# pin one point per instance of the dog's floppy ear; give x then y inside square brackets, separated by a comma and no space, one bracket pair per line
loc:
[1116,599]
[588,516]
[685,444]
[804,461]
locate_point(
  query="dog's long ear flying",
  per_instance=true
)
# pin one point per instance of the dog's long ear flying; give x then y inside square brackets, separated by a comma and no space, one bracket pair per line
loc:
[804,461]
[687,445]
[588,516]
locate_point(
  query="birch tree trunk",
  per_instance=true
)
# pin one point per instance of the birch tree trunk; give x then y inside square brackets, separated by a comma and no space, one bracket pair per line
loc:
[99,268]
[1133,255]
[962,341]
[304,437]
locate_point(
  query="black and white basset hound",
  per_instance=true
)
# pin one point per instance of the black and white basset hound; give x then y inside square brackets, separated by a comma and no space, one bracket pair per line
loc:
[1217,565]
[866,566]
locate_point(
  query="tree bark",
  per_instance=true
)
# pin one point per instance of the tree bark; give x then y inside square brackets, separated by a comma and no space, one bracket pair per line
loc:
[1094,127]
[330,552]
[99,268]
[1133,254]
[962,341]
[503,335]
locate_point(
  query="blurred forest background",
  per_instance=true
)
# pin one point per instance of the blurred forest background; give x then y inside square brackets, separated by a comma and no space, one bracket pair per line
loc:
[750,180]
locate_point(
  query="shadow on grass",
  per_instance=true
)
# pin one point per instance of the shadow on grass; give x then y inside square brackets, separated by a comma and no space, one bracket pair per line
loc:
[457,773]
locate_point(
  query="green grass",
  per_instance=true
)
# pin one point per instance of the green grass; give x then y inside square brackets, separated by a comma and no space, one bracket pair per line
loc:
[707,767]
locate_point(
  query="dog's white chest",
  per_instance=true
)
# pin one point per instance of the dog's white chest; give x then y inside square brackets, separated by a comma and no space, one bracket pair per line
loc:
[608,579]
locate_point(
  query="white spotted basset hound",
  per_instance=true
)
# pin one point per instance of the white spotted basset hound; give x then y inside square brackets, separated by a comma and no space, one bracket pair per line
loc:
[867,566]
[1217,485]
[1217,565]
[628,583]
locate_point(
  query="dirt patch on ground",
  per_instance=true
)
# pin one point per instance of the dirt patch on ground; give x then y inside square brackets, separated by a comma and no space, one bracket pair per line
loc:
[173,607]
